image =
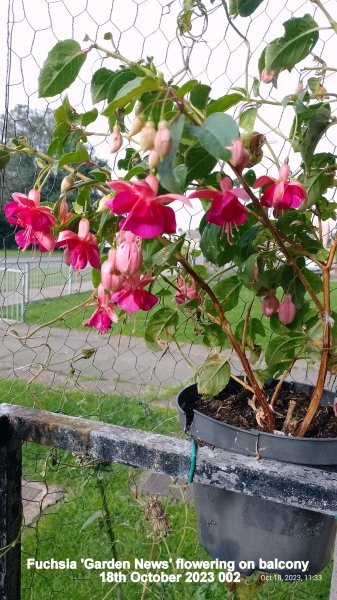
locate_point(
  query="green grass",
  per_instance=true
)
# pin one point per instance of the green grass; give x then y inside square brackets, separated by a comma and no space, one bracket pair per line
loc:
[69,529]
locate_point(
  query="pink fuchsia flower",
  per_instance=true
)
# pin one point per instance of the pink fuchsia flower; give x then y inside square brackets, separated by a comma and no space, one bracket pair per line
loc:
[112,278]
[270,304]
[36,221]
[104,315]
[115,140]
[240,155]
[129,257]
[281,193]
[287,310]
[148,217]
[132,296]
[82,246]
[268,76]
[186,291]
[64,215]
[226,210]
[163,140]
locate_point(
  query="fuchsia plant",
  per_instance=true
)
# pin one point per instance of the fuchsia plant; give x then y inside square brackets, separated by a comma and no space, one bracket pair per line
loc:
[258,231]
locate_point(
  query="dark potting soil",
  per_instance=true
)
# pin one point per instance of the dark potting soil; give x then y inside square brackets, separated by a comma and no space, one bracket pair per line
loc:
[234,409]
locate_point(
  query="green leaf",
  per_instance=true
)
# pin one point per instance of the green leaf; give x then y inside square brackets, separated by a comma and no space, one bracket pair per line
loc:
[215,337]
[161,325]
[98,175]
[89,117]
[165,254]
[120,79]
[4,158]
[95,277]
[314,83]
[292,285]
[130,91]
[82,201]
[317,126]
[93,517]
[247,7]
[80,155]
[254,328]
[281,350]
[246,269]
[213,375]
[224,103]
[301,35]
[247,119]
[199,162]
[219,130]
[199,95]
[100,83]
[186,88]
[166,167]
[228,292]
[60,68]
[214,246]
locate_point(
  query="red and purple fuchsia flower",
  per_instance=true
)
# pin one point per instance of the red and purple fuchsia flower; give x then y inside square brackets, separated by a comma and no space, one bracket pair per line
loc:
[36,221]
[226,210]
[104,315]
[281,193]
[147,215]
[82,246]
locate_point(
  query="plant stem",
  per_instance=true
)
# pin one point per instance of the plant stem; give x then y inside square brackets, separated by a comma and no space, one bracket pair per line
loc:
[331,20]
[108,524]
[281,380]
[224,324]
[245,325]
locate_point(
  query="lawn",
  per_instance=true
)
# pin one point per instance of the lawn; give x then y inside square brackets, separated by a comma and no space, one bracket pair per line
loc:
[75,527]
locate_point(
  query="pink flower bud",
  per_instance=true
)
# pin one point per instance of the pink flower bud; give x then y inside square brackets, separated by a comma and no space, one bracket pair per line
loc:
[287,310]
[240,156]
[129,257]
[83,228]
[284,172]
[137,124]
[299,88]
[270,304]
[112,279]
[115,140]
[153,159]
[147,136]
[102,204]
[267,77]
[67,184]
[63,210]
[34,195]
[163,140]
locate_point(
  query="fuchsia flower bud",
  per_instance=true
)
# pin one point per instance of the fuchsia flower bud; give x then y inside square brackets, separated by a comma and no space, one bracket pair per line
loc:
[163,140]
[115,140]
[267,77]
[240,155]
[284,172]
[147,136]
[137,124]
[153,159]
[112,279]
[287,310]
[102,205]
[270,304]
[129,257]
[67,184]
[34,195]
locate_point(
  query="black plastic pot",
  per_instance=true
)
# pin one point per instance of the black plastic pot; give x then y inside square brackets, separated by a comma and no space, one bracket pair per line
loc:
[238,527]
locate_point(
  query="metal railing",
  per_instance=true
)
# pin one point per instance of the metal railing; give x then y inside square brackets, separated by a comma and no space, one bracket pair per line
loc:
[293,485]
[31,280]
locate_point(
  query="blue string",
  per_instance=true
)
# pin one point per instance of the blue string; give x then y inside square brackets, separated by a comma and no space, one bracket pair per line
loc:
[193,460]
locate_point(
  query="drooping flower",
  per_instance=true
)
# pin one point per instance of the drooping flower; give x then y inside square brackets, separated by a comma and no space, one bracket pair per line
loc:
[64,215]
[267,76]
[226,210]
[147,136]
[36,221]
[287,310]
[132,296]
[163,140]
[104,315]
[240,155]
[281,193]
[82,246]
[148,217]
[115,139]
[112,278]
[129,257]
[187,291]
[270,304]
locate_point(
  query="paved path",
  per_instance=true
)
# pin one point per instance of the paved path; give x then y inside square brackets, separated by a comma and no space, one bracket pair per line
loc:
[101,363]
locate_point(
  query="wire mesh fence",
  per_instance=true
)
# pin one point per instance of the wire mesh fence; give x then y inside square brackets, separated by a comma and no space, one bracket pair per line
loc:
[50,360]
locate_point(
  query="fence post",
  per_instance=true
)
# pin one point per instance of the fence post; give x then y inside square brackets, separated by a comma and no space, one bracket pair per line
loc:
[25,291]
[10,514]
[70,281]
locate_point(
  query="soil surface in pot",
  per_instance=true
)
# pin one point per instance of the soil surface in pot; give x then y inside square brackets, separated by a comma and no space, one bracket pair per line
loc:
[233,409]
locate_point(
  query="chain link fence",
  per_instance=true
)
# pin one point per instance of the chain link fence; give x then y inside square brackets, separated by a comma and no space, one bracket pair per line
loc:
[75,507]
